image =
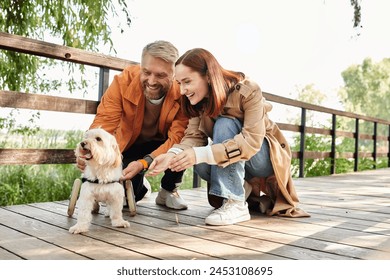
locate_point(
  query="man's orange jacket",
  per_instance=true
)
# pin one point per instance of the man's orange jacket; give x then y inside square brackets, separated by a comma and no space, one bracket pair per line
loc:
[121,112]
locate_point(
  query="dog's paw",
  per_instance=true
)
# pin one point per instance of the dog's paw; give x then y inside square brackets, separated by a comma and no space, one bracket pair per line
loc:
[77,229]
[121,223]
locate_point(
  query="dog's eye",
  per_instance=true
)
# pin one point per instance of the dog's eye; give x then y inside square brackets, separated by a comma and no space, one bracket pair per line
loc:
[98,139]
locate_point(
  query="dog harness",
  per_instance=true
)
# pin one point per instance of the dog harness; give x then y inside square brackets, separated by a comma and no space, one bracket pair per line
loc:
[97,181]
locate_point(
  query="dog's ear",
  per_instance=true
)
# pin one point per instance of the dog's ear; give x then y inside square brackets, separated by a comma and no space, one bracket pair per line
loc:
[118,154]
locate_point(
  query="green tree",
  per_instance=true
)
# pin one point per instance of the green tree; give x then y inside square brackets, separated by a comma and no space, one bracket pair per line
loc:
[366,91]
[367,88]
[81,24]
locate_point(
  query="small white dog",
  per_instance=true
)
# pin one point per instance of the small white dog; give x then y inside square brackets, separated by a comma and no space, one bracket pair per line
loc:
[101,176]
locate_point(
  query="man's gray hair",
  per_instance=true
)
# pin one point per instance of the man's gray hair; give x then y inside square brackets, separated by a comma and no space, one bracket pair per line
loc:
[162,49]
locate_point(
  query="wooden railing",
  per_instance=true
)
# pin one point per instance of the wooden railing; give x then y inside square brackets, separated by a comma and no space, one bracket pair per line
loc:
[106,63]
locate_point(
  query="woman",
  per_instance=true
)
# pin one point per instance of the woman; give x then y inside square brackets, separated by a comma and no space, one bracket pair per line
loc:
[230,110]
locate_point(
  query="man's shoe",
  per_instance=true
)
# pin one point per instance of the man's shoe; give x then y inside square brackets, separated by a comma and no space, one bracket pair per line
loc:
[231,212]
[171,199]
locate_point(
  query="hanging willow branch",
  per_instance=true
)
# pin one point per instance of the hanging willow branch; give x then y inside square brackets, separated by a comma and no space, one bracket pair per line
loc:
[356,12]
[82,24]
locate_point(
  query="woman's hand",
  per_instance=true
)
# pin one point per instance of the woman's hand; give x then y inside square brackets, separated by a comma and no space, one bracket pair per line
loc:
[160,164]
[131,170]
[183,160]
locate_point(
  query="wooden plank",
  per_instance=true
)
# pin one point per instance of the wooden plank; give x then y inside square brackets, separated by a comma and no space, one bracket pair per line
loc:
[160,230]
[185,217]
[8,255]
[12,99]
[316,155]
[36,156]
[247,235]
[24,246]
[374,226]
[316,130]
[138,238]
[80,245]
[290,232]
[289,127]
[40,48]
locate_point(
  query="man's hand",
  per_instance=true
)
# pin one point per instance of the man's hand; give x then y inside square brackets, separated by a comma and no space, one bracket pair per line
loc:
[131,170]
[160,164]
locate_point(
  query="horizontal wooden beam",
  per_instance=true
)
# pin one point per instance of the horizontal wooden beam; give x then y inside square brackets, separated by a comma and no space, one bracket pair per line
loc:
[36,156]
[12,99]
[35,47]
[289,127]
[317,108]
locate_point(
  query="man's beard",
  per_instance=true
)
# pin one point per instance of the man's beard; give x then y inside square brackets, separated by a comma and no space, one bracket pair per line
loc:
[154,94]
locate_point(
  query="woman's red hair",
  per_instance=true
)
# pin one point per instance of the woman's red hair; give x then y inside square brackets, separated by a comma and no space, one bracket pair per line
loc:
[222,82]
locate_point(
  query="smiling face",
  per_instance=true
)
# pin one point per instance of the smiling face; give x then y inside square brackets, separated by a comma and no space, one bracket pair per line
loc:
[193,85]
[156,76]
[99,148]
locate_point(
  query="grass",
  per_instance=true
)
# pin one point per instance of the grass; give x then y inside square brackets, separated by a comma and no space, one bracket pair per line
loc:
[22,184]
[36,183]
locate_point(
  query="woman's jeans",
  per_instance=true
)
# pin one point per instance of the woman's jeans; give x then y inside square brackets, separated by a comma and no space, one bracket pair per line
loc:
[228,182]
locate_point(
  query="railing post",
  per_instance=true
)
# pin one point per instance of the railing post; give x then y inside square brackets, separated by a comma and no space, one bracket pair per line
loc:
[388,148]
[104,75]
[333,146]
[375,143]
[356,166]
[302,144]
[196,180]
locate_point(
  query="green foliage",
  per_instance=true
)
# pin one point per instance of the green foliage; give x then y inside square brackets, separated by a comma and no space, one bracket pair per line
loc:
[35,183]
[357,83]
[80,24]
[367,88]
[9,125]
[366,91]
[310,94]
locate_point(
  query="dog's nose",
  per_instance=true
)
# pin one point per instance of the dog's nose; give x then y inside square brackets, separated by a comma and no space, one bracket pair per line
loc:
[83,144]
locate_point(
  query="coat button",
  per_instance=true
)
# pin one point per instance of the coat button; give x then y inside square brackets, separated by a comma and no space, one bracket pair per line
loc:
[238,87]
[283,145]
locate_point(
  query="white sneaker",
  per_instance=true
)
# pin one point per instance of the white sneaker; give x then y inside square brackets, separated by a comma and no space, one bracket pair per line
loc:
[171,199]
[231,212]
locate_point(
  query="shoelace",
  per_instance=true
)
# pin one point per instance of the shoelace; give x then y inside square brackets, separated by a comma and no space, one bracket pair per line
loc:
[227,204]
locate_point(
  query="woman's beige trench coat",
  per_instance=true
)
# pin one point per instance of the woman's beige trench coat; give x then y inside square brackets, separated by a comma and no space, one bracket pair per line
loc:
[247,104]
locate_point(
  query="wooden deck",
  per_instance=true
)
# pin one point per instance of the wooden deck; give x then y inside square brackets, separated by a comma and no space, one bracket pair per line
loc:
[350,220]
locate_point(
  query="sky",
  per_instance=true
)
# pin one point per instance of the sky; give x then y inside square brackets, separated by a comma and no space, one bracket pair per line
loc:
[281,44]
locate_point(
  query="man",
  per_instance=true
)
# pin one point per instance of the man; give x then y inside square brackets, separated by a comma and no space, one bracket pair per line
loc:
[141,108]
